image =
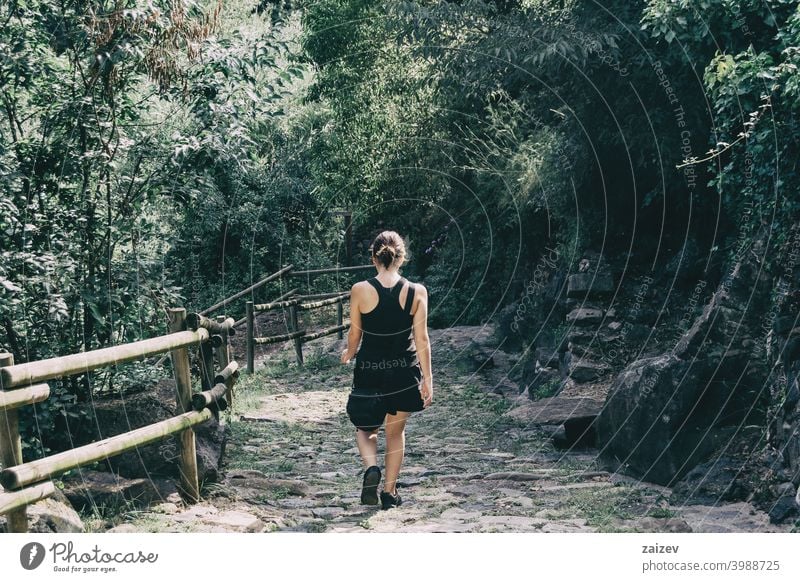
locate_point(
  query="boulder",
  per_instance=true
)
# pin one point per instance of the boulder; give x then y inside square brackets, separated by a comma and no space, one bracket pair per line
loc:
[556,410]
[783,508]
[237,521]
[210,441]
[124,413]
[589,285]
[708,483]
[54,515]
[209,518]
[656,419]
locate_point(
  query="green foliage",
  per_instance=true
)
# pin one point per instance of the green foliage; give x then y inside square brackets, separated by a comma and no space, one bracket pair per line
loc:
[751,80]
[111,131]
[154,154]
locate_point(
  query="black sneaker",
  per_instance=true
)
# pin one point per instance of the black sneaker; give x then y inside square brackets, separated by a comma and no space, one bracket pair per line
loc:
[388,500]
[369,490]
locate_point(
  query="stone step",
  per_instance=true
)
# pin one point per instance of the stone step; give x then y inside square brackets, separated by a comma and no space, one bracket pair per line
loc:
[556,410]
[589,285]
[583,370]
[585,316]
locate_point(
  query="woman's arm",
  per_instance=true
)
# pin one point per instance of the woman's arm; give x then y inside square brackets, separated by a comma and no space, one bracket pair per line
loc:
[423,343]
[355,332]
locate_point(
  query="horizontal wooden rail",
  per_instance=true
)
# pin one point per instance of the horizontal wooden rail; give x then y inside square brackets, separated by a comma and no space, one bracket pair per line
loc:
[228,372]
[41,469]
[288,294]
[24,396]
[15,499]
[251,288]
[275,305]
[281,298]
[330,270]
[324,302]
[275,339]
[35,372]
[324,332]
[301,334]
[197,320]
[321,295]
[216,395]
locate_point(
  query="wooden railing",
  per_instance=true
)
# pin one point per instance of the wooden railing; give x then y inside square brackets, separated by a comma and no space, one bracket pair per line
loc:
[281,275]
[286,272]
[295,304]
[292,302]
[24,384]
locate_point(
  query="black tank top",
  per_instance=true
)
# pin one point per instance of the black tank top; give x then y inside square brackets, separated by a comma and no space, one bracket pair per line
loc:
[388,331]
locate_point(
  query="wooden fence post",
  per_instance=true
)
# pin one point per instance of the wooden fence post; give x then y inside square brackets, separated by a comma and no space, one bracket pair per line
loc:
[206,365]
[11,452]
[339,315]
[183,397]
[224,358]
[298,344]
[251,328]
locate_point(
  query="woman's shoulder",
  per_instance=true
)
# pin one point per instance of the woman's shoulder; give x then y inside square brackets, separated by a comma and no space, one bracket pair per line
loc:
[418,288]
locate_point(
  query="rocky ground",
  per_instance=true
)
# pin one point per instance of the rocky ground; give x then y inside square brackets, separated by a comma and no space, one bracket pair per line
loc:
[292,465]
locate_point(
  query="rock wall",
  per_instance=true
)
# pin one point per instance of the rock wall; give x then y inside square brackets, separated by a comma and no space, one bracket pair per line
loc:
[783,348]
[664,414]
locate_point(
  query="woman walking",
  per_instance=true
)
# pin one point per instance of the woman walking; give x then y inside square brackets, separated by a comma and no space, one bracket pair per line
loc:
[392,375]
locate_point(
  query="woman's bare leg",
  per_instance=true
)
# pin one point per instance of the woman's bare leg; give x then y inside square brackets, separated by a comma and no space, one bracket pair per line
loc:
[395,449]
[367,442]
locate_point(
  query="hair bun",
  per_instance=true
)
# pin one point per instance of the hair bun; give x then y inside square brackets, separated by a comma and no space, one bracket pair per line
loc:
[388,248]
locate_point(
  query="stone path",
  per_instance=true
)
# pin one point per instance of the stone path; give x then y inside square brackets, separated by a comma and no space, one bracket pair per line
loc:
[292,464]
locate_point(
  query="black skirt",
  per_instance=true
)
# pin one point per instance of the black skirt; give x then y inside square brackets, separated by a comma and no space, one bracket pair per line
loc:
[383,386]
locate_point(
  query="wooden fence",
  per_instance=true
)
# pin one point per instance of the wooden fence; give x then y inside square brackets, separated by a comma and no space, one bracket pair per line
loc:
[281,275]
[25,384]
[295,304]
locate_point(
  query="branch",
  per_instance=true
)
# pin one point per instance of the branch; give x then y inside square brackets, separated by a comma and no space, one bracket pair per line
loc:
[749,126]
